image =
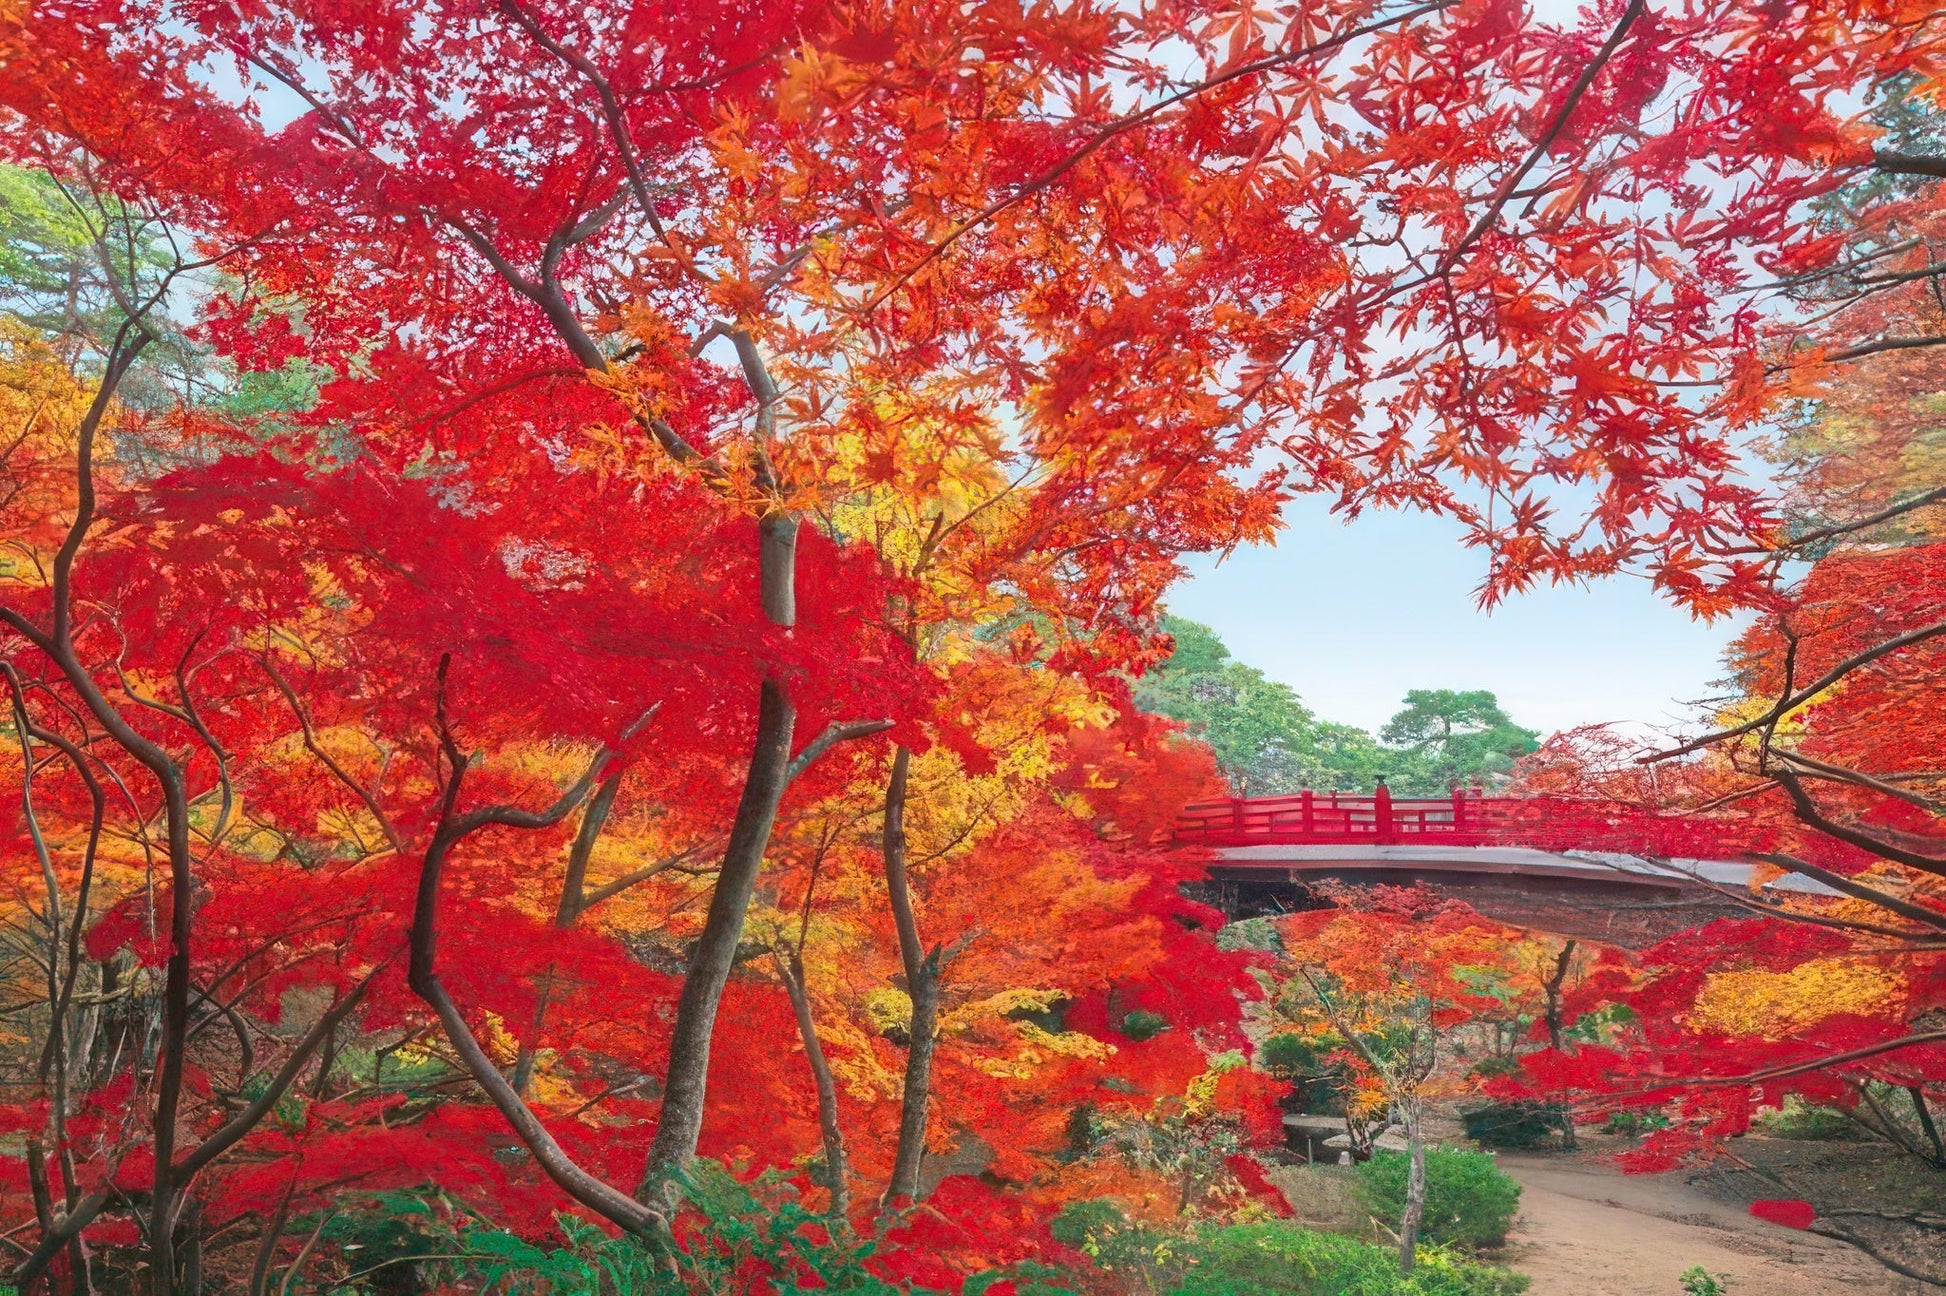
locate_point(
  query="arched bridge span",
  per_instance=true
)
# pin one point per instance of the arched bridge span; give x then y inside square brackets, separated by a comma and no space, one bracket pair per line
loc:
[1546,863]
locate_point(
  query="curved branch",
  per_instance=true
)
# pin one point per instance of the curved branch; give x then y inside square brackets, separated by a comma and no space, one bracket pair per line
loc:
[1856,890]
[1807,810]
[1842,774]
[367,798]
[246,1120]
[1028,188]
[1791,702]
[834,733]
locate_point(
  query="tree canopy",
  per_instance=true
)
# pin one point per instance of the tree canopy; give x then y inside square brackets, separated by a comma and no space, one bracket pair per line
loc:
[572,573]
[1268,743]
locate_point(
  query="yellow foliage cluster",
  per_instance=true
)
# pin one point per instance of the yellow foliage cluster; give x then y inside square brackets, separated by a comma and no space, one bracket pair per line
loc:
[1199,1098]
[1037,1047]
[41,407]
[1774,1004]
[889,1009]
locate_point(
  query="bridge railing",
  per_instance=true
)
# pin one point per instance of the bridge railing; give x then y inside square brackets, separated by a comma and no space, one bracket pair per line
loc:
[1341,818]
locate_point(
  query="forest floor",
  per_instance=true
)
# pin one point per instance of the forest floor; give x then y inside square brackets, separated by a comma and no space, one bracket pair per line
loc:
[1587,1229]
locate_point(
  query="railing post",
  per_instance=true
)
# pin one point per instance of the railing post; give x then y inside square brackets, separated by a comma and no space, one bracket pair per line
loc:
[1459,808]
[1382,812]
[1236,815]
[1308,822]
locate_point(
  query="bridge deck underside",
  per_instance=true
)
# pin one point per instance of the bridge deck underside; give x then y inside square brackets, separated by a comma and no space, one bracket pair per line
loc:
[1618,900]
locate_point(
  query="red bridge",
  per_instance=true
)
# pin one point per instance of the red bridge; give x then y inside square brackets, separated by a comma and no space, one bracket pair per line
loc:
[1347,819]
[1575,867]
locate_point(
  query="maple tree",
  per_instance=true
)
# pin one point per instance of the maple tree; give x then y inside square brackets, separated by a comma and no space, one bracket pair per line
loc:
[1395,994]
[514,507]
[1820,768]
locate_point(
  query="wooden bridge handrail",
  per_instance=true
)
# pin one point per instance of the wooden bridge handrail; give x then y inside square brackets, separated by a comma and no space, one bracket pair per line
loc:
[1380,818]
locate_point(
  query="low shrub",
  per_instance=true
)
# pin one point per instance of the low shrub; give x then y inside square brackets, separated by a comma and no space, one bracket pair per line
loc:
[1269,1258]
[1250,934]
[1798,1119]
[1521,1124]
[1289,1054]
[1470,1201]
[1283,1260]
[1634,1122]
[1698,1281]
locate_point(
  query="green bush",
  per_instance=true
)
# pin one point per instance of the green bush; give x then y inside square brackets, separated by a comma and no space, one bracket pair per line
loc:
[1250,934]
[1098,1229]
[1291,1054]
[1274,1258]
[1470,1202]
[1798,1119]
[1698,1281]
[1520,1124]
[1278,1259]
[1144,1025]
[744,1230]
[1634,1122]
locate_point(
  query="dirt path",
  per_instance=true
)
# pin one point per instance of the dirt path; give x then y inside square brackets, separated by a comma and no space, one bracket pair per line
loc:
[1585,1229]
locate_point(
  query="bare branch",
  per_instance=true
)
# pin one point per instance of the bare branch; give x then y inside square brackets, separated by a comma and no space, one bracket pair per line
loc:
[1807,810]
[365,796]
[1569,103]
[1886,514]
[833,734]
[1794,700]
[1895,163]
[1856,890]
[246,1120]
[1840,774]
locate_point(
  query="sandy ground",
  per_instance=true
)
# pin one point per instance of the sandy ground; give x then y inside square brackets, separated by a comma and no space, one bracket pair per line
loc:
[1585,1229]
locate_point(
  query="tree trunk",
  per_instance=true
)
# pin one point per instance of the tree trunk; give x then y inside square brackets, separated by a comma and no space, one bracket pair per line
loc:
[1553,987]
[575,885]
[1415,1189]
[922,986]
[1555,1029]
[192,1249]
[790,969]
[917,1097]
[175,1036]
[423,976]
[574,892]
[687,1082]
[1926,1125]
[523,1073]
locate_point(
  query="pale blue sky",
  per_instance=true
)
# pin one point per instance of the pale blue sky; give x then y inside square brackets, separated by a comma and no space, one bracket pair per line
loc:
[1352,616]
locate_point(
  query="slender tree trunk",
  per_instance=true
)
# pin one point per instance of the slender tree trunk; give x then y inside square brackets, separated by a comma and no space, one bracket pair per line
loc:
[922,986]
[1555,1029]
[267,1244]
[917,1097]
[523,1075]
[192,1249]
[1415,1188]
[574,890]
[790,969]
[1931,1130]
[423,976]
[687,1082]
[1553,987]
[574,886]
[175,1035]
